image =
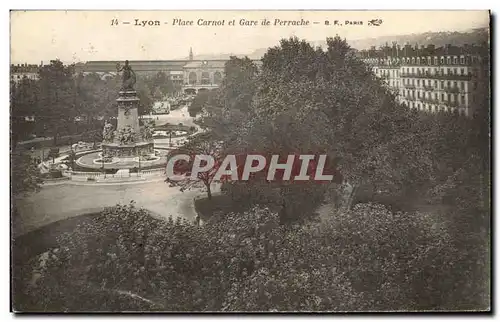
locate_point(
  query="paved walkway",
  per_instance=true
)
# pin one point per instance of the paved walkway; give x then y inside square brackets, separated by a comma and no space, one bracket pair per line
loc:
[60,201]
[180,115]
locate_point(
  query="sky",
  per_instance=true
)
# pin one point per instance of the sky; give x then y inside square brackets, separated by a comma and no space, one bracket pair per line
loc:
[79,36]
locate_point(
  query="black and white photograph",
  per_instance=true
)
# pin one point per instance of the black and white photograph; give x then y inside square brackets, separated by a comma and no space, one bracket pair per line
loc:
[285,161]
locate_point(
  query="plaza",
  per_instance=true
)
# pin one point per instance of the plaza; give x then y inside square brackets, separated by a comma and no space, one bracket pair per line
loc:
[61,200]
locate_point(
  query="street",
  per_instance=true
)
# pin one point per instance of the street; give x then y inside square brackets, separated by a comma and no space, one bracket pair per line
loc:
[180,115]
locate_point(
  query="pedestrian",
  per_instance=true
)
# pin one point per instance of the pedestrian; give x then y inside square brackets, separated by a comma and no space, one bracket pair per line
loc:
[197,220]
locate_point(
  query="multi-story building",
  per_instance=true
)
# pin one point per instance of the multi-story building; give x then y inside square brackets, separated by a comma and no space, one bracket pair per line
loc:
[20,71]
[428,78]
[202,75]
[191,74]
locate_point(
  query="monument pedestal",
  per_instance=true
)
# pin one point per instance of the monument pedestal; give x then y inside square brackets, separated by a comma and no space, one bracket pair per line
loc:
[128,141]
[128,150]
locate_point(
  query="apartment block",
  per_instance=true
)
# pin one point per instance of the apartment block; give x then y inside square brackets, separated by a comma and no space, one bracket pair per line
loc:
[428,78]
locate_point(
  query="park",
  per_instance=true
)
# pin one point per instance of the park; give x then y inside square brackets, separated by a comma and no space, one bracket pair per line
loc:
[367,221]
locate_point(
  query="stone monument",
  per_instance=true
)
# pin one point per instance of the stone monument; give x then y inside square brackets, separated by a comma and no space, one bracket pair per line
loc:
[127,141]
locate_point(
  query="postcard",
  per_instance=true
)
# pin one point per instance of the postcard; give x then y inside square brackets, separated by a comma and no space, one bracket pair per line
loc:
[250,161]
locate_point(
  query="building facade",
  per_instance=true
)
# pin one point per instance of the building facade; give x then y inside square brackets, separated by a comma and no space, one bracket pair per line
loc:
[202,75]
[191,74]
[428,78]
[20,71]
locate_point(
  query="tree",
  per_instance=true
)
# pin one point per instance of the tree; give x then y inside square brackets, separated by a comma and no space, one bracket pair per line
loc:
[25,176]
[306,99]
[158,94]
[145,96]
[57,100]
[23,103]
[329,102]
[229,108]
[164,84]
[96,101]
[201,100]
[366,259]
[97,96]
[200,144]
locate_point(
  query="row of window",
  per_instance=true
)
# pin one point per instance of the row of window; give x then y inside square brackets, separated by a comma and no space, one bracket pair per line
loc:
[205,78]
[390,73]
[449,97]
[434,83]
[431,83]
[427,60]
[430,108]
[429,71]
[449,71]
[22,76]
[442,60]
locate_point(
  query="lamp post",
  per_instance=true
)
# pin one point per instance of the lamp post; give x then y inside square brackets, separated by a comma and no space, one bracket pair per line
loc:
[139,164]
[139,157]
[102,160]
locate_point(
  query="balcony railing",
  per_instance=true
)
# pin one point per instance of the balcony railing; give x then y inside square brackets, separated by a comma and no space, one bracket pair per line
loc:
[410,86]
[430,101]
[417,75]
[452,76]
[452,89]
[437,75]
[428,87]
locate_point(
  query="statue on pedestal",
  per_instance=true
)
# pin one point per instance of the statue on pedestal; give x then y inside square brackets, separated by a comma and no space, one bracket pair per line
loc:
[128,76]
[147,132]
[126,135]
[108,133]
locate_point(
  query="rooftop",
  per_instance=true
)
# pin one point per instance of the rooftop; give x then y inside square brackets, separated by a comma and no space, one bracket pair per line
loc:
[24,68]
[206,64]
[414,51]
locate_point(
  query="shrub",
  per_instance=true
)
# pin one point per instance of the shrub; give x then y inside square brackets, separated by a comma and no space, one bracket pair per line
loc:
[368,258]
[54,174]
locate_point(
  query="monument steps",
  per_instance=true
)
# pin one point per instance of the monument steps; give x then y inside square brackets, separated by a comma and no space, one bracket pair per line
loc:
[132,178]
